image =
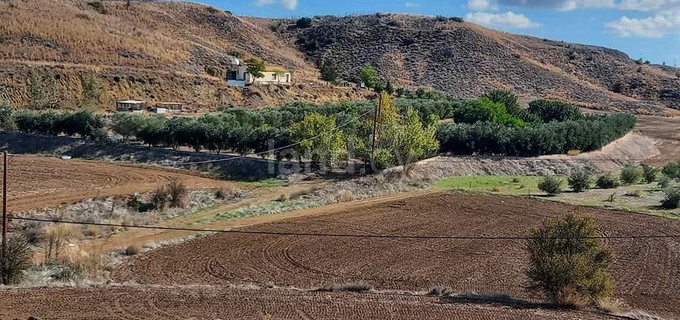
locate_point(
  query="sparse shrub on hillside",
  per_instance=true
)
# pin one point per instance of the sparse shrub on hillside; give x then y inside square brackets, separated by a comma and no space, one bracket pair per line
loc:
[567,263]
[91,93]
[160,198]
[672,198]
[212,10]
[630,174]
[347,287]
[617,87]
[329,71]
[457,19]
[606,181]
[649,173]
[7,117]
[579,180]
[550,185]
[98,6]
[16,260]
[303,23]
[572,55]
[665,182]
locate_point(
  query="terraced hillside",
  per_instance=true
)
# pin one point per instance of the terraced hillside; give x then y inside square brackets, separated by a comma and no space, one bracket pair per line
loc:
[467,60]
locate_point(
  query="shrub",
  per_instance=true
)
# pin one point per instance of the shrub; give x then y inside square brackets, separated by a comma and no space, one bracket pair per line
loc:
[178,193]
[551,110]
[672,170]
[606,181]
[132,250]
[567,263]
[649,173]
[672,198]
[457,19]
[212,10]
[579,181]
[304,22]
[550,185]
[630,174]
[160,198]
[347,287]
[98,6]
[17,259]
[665,182]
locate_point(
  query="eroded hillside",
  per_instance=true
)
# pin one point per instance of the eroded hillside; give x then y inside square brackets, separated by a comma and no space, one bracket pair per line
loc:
[465,60]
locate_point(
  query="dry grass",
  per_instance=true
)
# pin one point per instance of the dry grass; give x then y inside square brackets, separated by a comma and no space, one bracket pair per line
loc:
[347,287]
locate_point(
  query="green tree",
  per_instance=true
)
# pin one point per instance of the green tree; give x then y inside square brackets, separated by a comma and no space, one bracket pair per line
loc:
[127,125]
[36,94]
[507,98]
[649,173]
[255,67]
[579,180]
[630,174]
[329,71]
[550,185]
[52,95]
[368,75]
[318,138]
[7,117]
[91,93]
[389,87]
[568,263]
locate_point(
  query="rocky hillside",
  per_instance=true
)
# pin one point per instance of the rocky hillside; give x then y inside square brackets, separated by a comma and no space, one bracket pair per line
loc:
[465,60]
[158,51]
[176,51]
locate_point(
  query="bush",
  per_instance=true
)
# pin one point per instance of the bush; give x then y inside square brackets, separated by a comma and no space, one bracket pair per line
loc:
[178,193]
[160,198]
[303,23]
[132,250]
[630,174]
[606,181]
[18,258]
[665,182]
[550,185]
[551,110]
[672,170]
[98,6]
[567,263]
[649,173]
[579,181]
[672,199]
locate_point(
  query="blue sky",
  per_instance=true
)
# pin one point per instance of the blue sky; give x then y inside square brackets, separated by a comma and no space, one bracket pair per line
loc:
[648,29]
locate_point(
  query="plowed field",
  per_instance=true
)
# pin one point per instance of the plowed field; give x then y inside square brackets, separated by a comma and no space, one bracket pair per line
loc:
[208,303]
[646,271]
[37,182]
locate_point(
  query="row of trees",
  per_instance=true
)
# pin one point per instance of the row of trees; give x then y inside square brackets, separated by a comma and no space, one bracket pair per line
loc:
[489,138]
[84,123]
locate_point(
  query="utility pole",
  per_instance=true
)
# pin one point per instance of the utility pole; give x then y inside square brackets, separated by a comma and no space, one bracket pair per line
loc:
[376,120]
[5,279]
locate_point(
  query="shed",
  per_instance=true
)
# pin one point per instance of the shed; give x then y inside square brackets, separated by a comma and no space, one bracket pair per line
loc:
[171,106]
[130,105]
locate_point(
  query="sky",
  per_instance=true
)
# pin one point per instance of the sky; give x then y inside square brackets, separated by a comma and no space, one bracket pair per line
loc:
[647,29]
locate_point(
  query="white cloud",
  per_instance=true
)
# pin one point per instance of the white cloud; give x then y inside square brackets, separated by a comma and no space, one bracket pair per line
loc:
[502,20]
[649,5]
[656,26]
[412,5]
[481,5]
[286,4]
[553,4]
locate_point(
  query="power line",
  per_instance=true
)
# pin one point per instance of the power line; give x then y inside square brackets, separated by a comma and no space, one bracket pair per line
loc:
[358,117]
[344,235]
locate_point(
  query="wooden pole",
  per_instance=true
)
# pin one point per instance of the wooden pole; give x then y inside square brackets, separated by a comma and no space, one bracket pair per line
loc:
[5,279]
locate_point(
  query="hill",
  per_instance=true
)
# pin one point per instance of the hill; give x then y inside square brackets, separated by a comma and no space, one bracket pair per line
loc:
[160,51]
[466,60]
[176,51]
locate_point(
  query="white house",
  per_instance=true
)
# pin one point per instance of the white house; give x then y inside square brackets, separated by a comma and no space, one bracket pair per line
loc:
[135,106]
[238,76]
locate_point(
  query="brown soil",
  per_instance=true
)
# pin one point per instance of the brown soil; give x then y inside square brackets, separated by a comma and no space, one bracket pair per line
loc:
[39,182]
[221,303]
[645,270]
[666,132]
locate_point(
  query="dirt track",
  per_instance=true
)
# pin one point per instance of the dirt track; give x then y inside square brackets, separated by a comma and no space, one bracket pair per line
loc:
[207,303]
[38,182]
[646,270]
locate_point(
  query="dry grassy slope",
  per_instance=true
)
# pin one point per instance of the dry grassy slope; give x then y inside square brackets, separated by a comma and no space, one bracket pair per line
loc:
[466,60]
[158,51]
